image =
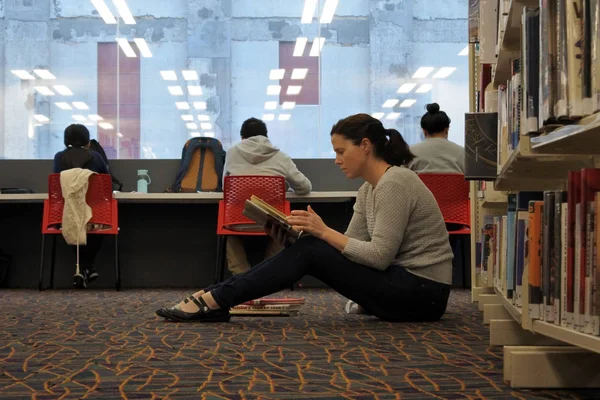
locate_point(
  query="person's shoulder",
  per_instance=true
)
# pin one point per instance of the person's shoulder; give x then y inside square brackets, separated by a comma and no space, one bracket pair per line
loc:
[399,178]
[455,145]
[418,145]
[59,154]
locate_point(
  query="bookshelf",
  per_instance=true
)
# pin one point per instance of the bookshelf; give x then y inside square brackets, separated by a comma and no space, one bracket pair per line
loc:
[537,171]
[538,147]
[585,341]
[582,137]
[515,312]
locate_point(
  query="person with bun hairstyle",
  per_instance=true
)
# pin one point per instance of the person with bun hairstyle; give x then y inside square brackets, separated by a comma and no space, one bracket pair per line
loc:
[437,154]
[394,259]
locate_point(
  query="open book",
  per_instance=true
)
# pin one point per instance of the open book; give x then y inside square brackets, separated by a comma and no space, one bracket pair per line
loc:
[263,213]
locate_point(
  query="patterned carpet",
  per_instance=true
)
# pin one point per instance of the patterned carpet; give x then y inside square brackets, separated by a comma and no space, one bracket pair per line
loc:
[110,345]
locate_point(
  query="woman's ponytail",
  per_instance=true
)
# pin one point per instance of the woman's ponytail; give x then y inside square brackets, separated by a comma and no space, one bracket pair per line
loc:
[397,151]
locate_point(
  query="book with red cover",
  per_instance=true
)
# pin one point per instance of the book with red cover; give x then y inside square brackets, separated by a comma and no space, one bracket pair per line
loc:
[573,196]
[274,301]
[590,184]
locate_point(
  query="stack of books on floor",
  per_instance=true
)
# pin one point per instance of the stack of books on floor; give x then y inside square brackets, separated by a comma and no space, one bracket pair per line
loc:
[553,236]
[276,307]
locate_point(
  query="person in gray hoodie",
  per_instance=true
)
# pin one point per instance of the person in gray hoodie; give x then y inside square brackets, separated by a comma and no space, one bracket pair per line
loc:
[255,155]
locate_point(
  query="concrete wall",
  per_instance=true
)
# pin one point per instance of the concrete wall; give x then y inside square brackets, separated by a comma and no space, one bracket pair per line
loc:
[372,47]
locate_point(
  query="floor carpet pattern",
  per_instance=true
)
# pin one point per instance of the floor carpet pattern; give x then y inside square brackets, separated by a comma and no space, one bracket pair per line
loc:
[111,345]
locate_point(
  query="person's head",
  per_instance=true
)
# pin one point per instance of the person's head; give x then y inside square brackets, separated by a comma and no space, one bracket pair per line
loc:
[359,141]
[77,141]
[77,135]
[253,127]
[435,123]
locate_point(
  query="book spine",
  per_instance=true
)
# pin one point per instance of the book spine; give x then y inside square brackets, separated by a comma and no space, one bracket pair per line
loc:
[575,57]
[563,264]
[595,271]
[530,71]
[521,245]
[557,250]
[562,97]
[589,260]
[535,262]
[574,192]
[595,54]
[547,61]
[586,93]
[547,255]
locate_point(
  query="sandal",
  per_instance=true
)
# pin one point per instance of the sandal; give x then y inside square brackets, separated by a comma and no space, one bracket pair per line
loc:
[204,313]
[161,311]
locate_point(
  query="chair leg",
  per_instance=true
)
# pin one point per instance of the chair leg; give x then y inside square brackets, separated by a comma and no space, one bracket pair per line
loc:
[41,281]
[53,262]
[117,265]
[220,264]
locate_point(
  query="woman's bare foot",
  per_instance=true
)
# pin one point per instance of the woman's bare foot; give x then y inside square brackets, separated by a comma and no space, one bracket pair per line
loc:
[188,300]
[191,307]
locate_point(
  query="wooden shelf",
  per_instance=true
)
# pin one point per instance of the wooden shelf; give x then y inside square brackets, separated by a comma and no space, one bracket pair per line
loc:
[582,137]
[492,203]
[510,46]
[583,340]
[514,311]
[528,171]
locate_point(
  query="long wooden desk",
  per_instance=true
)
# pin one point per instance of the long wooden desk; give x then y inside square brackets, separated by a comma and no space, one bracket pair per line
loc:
[204,197]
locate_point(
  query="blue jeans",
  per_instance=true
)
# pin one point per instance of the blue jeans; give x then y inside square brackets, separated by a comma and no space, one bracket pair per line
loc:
[392,295]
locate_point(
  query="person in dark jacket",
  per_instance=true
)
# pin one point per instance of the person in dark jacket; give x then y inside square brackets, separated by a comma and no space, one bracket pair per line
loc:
[78,155]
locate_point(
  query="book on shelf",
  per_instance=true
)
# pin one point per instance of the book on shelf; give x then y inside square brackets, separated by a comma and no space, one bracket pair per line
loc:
[573,196]
[561,104]
[556,255]
[547,52]
[575,58]
[590,185]
[511,233]
[555,240]
[586,52]
[263,214]
[530,70]
[536,209]
[547,257]
[522,255]
[473,23]
[481,145]
[595,53]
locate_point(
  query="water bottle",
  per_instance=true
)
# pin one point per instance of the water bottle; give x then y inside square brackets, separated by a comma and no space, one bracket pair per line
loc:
[143,181]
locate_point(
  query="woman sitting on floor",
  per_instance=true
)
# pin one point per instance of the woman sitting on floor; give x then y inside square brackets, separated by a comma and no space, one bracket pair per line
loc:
[394,260]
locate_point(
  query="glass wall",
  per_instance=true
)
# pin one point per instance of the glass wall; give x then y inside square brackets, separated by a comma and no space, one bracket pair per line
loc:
[146,75]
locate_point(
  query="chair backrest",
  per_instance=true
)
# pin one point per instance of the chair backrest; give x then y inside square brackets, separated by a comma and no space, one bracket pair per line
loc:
[99,198]
[451,191]
[237,189]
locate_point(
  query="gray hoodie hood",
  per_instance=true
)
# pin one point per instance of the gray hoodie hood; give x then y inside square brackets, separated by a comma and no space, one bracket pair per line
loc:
[256,149]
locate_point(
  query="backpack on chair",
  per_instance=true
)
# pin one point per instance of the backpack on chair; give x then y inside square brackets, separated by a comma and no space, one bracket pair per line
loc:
[95,146]
[202,162]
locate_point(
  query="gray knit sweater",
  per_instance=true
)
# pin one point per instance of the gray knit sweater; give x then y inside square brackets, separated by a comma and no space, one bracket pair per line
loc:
[398,222]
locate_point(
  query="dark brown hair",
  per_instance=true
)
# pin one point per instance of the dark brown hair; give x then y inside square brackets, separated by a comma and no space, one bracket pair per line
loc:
[77,137]
[389,144]
[435,121]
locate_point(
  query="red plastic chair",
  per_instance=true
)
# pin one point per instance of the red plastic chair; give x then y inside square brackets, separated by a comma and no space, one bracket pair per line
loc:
[236,190]
[451,191]
[104,211]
